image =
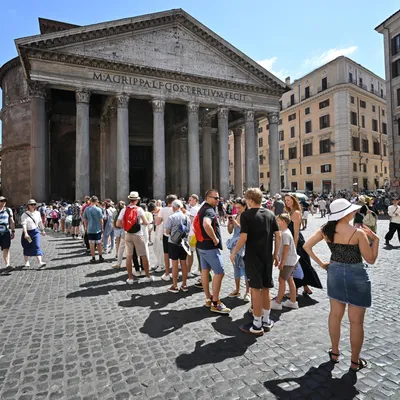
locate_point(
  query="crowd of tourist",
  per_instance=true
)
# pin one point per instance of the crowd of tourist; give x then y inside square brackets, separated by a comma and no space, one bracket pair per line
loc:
[264,231]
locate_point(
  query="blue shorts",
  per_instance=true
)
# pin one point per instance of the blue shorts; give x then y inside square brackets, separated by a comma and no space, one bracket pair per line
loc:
[211,259]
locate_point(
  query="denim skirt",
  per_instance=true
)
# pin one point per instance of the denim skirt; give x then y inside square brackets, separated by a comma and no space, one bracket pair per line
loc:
[349,283]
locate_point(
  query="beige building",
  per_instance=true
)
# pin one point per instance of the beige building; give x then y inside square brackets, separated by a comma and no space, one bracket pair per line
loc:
[332,131]
[390,28]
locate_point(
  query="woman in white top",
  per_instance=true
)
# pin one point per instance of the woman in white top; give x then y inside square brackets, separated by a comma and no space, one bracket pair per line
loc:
[31,222]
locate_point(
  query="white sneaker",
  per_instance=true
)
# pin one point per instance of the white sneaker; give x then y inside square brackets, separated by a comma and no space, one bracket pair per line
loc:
[166,278]
[160,268]
[130,281]
[290,304]
[146,279]
[275,305]
[27,264]
[143,273]
[247,298]
[154,268]
[136,273]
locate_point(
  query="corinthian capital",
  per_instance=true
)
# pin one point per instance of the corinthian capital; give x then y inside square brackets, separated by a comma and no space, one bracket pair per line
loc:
[249,115]
[193,108]
[82,96]
[206,120]
[238,131]
[158,105]
[122,100]
[273,117]
[223,112]
[36,89]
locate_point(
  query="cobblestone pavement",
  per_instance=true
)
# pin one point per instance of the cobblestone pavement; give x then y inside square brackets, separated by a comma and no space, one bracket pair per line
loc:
[78,331]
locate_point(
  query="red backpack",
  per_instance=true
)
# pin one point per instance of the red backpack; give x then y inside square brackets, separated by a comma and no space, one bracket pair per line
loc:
[131,222]
[197,229]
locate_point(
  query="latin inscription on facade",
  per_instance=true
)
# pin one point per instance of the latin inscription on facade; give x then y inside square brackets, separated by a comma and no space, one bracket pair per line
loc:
[170,87]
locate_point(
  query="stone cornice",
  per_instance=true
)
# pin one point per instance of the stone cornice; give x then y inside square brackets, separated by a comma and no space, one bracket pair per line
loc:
[13,104]
[16,147]
[97,63]
[175,17]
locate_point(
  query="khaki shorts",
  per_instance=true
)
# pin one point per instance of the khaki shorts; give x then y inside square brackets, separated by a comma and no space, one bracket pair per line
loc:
[135,241]
[286,272]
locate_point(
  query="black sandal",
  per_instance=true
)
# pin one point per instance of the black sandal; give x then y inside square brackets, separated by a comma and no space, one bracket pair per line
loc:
[334,355]
[362,363]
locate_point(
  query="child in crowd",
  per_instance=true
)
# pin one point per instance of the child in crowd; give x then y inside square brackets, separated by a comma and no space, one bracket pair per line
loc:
[288,260]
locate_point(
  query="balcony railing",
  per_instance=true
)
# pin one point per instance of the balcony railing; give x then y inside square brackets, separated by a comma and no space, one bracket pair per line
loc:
[365,87]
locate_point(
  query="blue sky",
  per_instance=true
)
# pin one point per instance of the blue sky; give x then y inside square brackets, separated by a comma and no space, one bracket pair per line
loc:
[289,38]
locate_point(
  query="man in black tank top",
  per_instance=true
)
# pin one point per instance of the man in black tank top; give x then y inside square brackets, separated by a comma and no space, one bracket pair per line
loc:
[258,228]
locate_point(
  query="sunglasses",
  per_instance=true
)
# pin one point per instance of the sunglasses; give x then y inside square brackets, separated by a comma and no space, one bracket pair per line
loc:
[34,205]
[214,197]
[2,201]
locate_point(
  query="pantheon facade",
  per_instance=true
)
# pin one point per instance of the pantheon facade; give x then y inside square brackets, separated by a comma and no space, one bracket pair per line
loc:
[144,103]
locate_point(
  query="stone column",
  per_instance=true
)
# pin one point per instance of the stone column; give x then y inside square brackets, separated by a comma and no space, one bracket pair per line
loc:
[122,147]
[215,158]
[39,144]
[158,149]
[274,167]
[111,186]
[104,156]
[237,132]
[252,178]
[183,163]
[206,145]
[223,114]
[193,148]
[82,168]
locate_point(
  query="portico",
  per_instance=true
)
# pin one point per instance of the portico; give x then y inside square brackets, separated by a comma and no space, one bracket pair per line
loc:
[149,112]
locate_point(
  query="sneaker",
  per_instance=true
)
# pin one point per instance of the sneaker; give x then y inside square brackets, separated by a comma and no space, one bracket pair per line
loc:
[275,305]
[116,266]
[142,272]
[130,281]
[93,261]
[160,268]
[42,265]
[166,278]
[198,284]
[247,298]
[267,326]
[146,279]
[209,302]
[173,290]
[27,264]
[136,273]
[250,328]
[289,304]
[220,308]
[184,288]
[154,268]
[234,294]
[101,259]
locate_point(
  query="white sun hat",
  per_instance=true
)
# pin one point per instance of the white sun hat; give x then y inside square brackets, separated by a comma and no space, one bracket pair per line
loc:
[340,208]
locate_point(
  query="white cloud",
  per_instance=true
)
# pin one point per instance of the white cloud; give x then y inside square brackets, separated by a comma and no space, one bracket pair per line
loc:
[268,64]
[327,56]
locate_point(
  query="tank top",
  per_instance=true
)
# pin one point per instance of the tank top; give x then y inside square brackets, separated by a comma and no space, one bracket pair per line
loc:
[345,253]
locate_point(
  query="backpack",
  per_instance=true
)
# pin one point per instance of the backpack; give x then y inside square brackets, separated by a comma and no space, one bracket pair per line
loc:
[54,214]
[197,229]
[180,233]
[131,222]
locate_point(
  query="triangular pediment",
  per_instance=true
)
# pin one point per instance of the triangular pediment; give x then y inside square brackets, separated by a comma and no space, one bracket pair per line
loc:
[171,41]
[168,48]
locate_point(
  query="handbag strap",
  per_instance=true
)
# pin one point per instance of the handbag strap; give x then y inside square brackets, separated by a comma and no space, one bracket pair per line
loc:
[30,216]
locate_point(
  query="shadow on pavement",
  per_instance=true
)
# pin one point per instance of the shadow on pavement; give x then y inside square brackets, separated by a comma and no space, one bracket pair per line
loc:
[161,323]
[317,381]
[154,301]
[220,350]
[98,291]
[105,272]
